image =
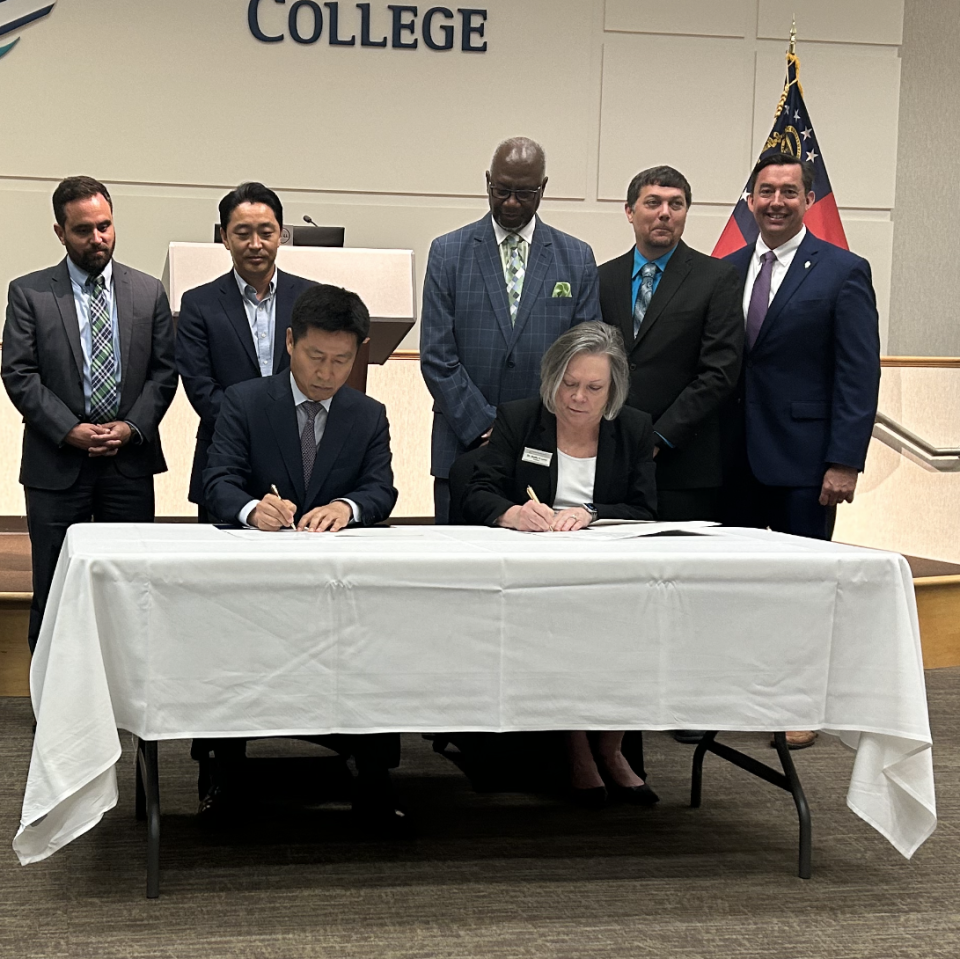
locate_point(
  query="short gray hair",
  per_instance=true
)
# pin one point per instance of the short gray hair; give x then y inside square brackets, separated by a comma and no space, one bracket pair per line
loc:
[596,339]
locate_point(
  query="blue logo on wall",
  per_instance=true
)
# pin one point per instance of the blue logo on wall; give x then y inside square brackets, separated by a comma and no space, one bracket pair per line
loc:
[15,14]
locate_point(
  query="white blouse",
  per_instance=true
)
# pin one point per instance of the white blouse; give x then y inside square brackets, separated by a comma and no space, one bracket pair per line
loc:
[575,480]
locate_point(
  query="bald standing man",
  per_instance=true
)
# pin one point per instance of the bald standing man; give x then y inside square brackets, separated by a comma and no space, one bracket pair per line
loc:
[496,295]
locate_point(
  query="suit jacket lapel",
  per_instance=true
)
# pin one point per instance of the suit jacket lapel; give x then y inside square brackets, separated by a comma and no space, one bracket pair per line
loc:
[622,282]
[63,294]
[282,416]
[804,263]
[544,482]
[675,272]
[282,313]
[606,450]
[538,263]
[335,434]
[232,304]
[123,291]
[491,269]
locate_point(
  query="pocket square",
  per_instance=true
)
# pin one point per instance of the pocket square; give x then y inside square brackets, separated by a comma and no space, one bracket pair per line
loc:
[561,289]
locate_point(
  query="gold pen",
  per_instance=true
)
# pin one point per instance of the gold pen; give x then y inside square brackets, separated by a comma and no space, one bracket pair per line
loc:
[276,492]
[532,494]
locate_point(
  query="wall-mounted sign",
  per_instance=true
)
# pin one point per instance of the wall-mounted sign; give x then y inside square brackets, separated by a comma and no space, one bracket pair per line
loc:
[395,25]
[15,14]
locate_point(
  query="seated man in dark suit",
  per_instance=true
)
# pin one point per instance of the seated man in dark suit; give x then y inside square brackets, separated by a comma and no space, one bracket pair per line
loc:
[234,328]
[325,449]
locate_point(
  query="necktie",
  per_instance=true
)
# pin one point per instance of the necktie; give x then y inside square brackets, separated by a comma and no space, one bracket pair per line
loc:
[308,438]
[104,401]
[760,298]
[648,273]
[514,273]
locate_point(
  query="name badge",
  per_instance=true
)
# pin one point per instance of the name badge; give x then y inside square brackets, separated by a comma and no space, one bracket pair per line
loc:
[537,457]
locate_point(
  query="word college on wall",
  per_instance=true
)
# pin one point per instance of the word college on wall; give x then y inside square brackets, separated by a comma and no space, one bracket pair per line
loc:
[399,26]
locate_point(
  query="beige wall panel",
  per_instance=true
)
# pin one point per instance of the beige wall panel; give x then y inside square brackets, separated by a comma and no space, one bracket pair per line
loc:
[682,130]
[719,18]
[194,98]
[847,21]
[873,239]
[886,512]
[852,94]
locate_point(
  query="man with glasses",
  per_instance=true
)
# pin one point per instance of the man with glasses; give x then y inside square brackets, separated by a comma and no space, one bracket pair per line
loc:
[811,377]
[497,293]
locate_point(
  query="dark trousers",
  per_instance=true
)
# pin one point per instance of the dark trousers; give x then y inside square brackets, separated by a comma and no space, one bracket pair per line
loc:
[101,494]
[679,505]
[784,509]
[441,501]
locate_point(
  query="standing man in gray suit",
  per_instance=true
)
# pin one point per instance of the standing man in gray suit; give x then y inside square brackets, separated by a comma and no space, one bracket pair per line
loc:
[88,362]
[496,294]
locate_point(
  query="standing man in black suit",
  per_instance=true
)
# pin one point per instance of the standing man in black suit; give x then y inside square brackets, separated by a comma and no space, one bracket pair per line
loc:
[679,312]
[234,328]
[88,362]
[325,449]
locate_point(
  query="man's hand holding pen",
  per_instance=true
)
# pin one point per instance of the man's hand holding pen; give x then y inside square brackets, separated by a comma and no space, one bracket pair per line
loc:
[272,513]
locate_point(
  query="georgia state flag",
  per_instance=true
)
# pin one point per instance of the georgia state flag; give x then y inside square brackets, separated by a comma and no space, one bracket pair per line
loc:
[792,134]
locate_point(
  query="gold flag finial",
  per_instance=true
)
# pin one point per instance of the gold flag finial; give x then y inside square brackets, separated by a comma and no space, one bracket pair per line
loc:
[793,35]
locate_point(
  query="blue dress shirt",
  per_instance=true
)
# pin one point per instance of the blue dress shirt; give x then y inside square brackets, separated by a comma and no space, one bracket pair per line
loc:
[639,262]
[262,317]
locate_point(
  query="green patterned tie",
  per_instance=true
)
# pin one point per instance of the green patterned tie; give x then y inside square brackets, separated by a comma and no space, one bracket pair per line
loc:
[103,361]
[514,270]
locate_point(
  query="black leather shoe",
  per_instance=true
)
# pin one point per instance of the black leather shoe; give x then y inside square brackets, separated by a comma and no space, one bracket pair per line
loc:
[689,736]
[634,795]
[595,797]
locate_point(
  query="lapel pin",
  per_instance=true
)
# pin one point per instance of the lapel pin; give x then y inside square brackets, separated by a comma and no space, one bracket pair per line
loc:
[806,265]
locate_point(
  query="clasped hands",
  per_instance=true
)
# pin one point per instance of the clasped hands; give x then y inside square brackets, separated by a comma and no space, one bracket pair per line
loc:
[535,517]
[273,513]
[99,439]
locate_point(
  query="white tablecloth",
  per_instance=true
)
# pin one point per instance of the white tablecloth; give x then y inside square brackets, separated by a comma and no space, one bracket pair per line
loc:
[175,631]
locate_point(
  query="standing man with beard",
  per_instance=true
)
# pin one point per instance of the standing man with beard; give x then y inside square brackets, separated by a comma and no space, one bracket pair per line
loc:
[496,294]
[235,327]
[88,362]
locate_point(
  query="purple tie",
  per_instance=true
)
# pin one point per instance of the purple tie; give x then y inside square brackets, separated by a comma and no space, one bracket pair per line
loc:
[760,298]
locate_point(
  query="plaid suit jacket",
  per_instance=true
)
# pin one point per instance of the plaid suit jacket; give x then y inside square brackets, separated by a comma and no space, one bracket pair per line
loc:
[471,357]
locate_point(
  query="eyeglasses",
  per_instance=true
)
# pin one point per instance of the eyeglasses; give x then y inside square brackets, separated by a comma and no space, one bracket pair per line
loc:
[523,196]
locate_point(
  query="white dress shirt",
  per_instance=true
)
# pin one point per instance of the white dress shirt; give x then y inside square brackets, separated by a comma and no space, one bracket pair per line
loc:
[526,236]
[319,425]
[784,257]
[576,478]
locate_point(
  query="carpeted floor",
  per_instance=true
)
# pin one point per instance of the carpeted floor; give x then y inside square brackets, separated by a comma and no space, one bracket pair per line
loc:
[497,875]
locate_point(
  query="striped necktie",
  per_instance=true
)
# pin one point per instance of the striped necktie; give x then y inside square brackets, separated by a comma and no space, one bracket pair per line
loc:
[104,400]
[514,273]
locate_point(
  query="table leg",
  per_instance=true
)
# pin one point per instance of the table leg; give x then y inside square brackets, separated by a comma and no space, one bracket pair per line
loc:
[149,774]
[803,808]
[788,780]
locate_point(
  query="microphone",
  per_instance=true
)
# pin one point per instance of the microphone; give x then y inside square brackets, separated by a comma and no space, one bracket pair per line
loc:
[307,219]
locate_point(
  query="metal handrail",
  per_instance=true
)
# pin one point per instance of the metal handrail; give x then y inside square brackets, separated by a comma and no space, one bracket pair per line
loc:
[933,458]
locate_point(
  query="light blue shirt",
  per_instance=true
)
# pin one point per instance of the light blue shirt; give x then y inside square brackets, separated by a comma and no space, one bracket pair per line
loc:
[639,262]
[261,315]
[82,284]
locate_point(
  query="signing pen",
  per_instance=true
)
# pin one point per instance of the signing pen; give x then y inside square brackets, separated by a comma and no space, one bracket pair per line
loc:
[276,492]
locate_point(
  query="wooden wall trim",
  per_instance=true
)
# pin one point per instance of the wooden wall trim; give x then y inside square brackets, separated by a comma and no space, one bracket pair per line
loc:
[922,362]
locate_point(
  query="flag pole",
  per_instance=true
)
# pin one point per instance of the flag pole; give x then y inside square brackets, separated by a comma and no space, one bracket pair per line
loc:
[793,36]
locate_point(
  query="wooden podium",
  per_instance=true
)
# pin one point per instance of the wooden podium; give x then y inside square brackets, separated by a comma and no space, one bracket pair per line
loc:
[383,279]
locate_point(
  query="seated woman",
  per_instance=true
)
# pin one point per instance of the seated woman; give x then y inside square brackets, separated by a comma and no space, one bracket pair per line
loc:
[585,456]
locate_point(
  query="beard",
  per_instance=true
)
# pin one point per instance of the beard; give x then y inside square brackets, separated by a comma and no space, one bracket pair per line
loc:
[92,261]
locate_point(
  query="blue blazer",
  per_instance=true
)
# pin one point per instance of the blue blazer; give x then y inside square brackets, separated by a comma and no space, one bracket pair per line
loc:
[256,443]
[215,350]
[811,381]
[472,357]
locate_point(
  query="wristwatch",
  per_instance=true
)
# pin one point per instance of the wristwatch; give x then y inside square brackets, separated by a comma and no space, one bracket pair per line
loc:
[592,510]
